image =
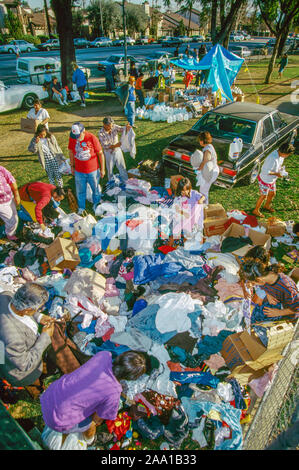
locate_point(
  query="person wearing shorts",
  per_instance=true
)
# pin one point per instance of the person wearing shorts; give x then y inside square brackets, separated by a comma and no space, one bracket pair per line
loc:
[271,170]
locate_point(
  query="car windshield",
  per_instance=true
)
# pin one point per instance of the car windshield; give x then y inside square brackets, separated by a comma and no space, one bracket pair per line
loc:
[227,127]
[114,59]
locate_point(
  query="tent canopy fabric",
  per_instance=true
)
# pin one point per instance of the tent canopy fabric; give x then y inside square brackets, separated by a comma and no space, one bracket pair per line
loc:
[223,68]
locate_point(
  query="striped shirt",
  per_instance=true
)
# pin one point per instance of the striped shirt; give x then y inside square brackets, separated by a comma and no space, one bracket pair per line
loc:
[285,291]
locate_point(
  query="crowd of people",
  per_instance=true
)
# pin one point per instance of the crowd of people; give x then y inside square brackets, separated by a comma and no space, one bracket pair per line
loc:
[79,401]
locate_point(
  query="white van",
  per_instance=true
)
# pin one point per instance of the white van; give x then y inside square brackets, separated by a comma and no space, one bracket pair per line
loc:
[32,69]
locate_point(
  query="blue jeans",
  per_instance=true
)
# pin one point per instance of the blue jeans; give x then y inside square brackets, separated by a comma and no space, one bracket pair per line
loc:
[81,181]
[130,112]
[58,98]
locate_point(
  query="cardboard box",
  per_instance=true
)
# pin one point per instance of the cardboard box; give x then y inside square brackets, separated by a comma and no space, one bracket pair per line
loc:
[274,227]
[243,349]
[245,374]
[29,125]
[163,97]
[294,274]
[62,253]
[257,238]
[215,226]
[215,220]
[214,210]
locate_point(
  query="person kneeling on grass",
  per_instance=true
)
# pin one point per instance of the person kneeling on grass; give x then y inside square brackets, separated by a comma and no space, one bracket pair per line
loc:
[271,170]
[81,400]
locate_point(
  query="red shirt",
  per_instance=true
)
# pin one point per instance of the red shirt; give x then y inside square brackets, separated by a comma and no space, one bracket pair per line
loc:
[40,193]
[94,146]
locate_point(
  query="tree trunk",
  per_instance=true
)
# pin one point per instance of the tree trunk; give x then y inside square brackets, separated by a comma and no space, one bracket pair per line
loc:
[226,27]
[63,14]
[284,37]
[273,59]
[47,18]
[190,13]
[214,21]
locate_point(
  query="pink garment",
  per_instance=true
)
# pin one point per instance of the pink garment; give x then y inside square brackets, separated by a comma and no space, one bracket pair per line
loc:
[215,361]
[28,275]
[128,276]
[6,179]
[140,397]
[111,290]
[260,385]
[102,328]
[226,290]
[9,261]
[103,265]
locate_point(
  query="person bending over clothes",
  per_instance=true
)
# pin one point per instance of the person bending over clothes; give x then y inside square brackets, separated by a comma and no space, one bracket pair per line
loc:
[43,195]
[45,145]
[278,287]
[9,200]
[23,344]
[80,81]
[81,400]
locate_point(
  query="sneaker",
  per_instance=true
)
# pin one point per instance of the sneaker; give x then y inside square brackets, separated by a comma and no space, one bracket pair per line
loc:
[83,105]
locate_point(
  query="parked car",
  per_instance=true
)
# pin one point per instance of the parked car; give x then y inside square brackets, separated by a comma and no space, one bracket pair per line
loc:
[236,37]
[20,96]
[185,39]
[159,57]
[171,41]
[261,128]
[246,36]
[121,42]
[241,51]
[101,42]
[49,45]
[119,61]
[24,46]
[81,43]
[198,38]
[142,40]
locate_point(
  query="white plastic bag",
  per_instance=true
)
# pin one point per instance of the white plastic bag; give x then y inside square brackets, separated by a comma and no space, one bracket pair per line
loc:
[74,441]
[65,168]
[52,439]
[85,225]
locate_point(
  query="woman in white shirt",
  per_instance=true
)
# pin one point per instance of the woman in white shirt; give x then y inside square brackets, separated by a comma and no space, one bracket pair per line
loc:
[38,112]
[208,169]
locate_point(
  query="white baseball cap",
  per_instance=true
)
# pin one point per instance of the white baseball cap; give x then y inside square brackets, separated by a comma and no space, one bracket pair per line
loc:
[76,130]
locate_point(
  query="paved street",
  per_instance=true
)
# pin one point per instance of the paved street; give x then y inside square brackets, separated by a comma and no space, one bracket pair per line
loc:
[90,57]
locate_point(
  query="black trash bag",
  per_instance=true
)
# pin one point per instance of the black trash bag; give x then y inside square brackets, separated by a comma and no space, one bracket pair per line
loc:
[177,428]
[150,428]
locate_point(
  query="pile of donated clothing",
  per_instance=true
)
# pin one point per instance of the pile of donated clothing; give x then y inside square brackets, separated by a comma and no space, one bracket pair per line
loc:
[169,291]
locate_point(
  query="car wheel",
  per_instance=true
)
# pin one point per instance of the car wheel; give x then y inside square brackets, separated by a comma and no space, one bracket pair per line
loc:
[48,48]
[251,178]
[28,100]
[10,51]
[29,49]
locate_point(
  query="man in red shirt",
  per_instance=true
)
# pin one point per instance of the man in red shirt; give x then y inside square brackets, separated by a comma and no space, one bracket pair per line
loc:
[86,157]
[41,194]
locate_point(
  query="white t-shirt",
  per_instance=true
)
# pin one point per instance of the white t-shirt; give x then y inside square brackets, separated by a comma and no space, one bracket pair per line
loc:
[41,115]
[272,163]
[211,169]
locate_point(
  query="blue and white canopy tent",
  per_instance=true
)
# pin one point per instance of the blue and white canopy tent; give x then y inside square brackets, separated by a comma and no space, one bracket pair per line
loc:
[223,68]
